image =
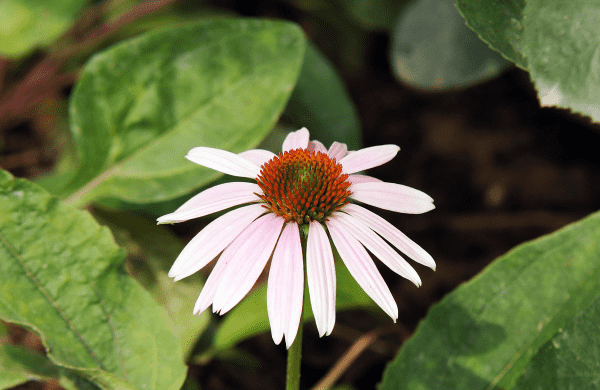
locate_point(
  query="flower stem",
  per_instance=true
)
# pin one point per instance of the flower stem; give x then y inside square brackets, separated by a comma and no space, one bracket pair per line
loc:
[292,379]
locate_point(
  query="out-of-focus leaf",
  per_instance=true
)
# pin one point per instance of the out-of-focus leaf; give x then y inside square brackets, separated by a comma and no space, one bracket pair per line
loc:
[320,103]
[62,277]
[140,106]
[374,14]
[433,49]
[499,24]
[562,49]
[485,333]
[557,41]
[19,365]
[152,250]
[571,360]
[250,317]
[26,24]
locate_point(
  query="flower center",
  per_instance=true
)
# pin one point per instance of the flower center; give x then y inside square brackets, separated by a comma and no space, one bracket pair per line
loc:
[303,186]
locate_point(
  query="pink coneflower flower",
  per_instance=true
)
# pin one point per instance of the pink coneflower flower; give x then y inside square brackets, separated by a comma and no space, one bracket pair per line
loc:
[306,192]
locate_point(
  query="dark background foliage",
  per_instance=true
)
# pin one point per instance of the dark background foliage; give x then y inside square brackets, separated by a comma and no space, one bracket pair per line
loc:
[501,170]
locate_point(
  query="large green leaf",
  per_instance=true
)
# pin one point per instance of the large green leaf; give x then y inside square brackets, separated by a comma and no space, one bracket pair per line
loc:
[321,103]
[152,250]
[433,50]
[26,24]
[562,48]
[571,360]
[557,41]
[485,333]
[62,277]
[19,365]
[499,24]
[140,106]
[250,317]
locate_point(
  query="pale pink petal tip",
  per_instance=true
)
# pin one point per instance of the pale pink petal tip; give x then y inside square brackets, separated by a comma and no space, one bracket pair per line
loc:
[246,258]
[391,234]
[316,146]
[392,196]
[296,140]
[223,161]
[361,267]
[211,240]
[337,151]
[217,198]
[285,286]
[320,275]
[367,158]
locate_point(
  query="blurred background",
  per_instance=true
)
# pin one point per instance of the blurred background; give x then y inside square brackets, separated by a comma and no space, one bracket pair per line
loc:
[501,169]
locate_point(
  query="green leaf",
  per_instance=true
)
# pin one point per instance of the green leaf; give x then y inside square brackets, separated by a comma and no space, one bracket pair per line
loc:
[152,250]
[140,106]
[571,360]
[249,318]
[499,24]
[26,24]
[19,365]
[433,49]
[557,41]
[374,14]
[485,333]
[62,277]
[562,48]
[321,103]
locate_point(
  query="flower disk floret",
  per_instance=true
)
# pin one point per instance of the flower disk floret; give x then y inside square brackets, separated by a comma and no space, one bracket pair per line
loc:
[305,186]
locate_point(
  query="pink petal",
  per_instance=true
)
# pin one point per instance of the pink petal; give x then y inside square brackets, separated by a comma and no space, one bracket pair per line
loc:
[285,290]
[320,274]
[361,267]
[317,147]
[207,294]
[296,140]
[223,161]
[214,199]
[362,179]
[391,234]
[378,247]
[337,151]
[213,239]
[368,158]
[257,156]
[392,196]
[246,258]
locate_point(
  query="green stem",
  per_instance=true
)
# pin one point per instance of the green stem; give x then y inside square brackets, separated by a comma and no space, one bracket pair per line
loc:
[292,378]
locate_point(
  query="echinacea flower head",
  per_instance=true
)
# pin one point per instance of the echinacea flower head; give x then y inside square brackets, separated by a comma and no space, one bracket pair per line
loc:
[305,193]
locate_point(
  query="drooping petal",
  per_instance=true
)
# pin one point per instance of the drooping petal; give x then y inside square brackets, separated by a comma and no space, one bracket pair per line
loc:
[361,267]
[223,161]
[320,275]
[212,240]
[393,197]
[368,158]
[316,146]
[286,286]
[214,199]
[257,156]
[362,179]
[391,234]
[246,258]
[338,151]
[207,294]
[378,247]
[296,140]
